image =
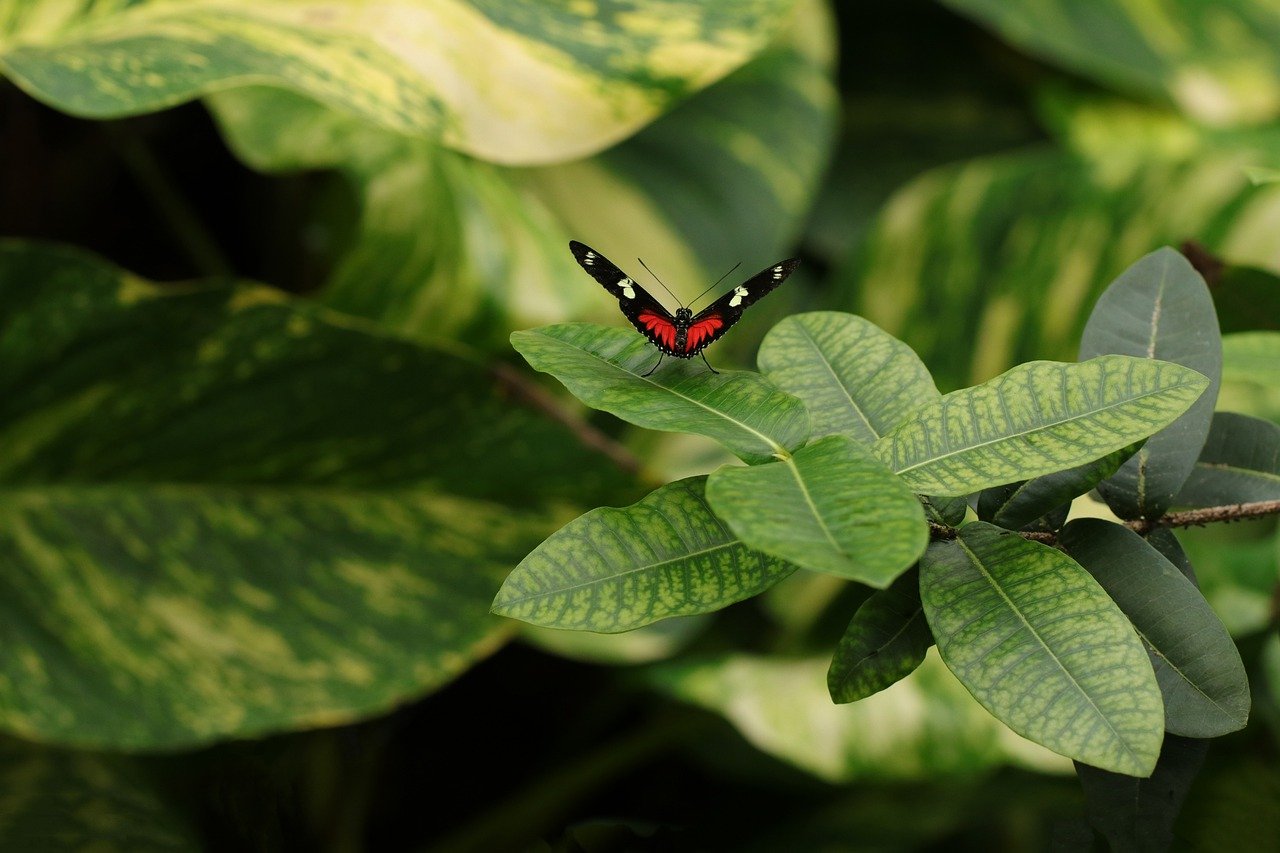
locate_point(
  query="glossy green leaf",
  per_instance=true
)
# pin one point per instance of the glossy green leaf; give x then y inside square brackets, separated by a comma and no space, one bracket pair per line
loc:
[1206,692]
[922,727]
[467,241]
[1160,308]
[831,507]
[885,641]
[1240,462]
[54,800]
[1138,814]
[1037,641]
[552,86]
[617,569]
[1018,505]
[1216,61]
[225,510]
[1037,418]
[1166,542]
[603,367]
[854,378]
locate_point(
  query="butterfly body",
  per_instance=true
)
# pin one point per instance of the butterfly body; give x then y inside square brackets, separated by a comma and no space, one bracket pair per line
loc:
[682,334]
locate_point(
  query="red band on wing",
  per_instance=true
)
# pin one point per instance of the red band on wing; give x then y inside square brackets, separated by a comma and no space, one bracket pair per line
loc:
[660,328]
[703,330]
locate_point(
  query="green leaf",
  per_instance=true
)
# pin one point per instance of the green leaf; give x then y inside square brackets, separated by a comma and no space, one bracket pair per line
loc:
[1166,542]
[1138,814]
[1206,692]
[949,512]
[854,378]
[1160,308]
[1037,418]
[1217,61]
[922,727]
[886,640]
[602,366]
[831,507]
[1018,505]
[54,800]
[555,85]
[1037,641]
[655,642]
[1240,462]
[225,512]
[617,569]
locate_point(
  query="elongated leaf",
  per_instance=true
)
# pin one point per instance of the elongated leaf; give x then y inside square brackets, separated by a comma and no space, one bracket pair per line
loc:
[602,366]
[225,512]
[1036,419]
[854,378]
[1166,542]
[1215,62]
[1206,692]
[1138,814]
[1038,642]
[552,86]
[617,569]
[831,507]
[55,800]
[1240,462]
[921,727]
[1160,308]
[1018,505]
[885,641]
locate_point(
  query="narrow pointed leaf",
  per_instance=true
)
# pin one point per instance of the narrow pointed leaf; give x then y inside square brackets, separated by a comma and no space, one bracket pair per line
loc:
[1206,692]
[1018,505]
[886,640]
[1138,814]
[1038,642]
[602,366]
[617,569]
[1036,419]
[1159,308]
[1239,463]
[832,507]
[854,378]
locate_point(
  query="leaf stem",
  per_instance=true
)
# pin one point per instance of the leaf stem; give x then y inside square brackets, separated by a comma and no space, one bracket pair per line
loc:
[1143,526]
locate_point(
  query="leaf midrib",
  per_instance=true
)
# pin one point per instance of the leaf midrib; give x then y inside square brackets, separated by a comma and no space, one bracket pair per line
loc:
[1178,670]
[853,404]
[813,508]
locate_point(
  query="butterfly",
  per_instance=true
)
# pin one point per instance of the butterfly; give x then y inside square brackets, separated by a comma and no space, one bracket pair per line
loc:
[683,334]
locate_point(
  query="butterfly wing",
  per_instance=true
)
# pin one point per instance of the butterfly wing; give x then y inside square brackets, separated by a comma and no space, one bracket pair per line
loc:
[645,313]
[713,321]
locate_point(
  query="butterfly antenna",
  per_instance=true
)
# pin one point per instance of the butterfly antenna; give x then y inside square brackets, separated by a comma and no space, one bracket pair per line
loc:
[720,279]
[659,281]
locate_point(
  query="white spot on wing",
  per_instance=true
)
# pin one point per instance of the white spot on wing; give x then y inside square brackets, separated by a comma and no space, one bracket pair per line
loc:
[627,292]
[738,294]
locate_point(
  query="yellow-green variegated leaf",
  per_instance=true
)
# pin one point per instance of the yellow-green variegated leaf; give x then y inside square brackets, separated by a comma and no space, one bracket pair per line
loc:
[510,81]
[1036,419]
[998,260]
[1216,61]
[227,513]
[467,240]
[921,727]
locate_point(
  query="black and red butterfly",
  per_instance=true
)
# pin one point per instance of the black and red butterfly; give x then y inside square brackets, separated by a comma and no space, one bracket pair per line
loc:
[683,334]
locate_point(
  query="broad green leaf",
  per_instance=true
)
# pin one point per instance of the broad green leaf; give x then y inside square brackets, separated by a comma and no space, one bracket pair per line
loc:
[1160,308]
[996,261]
[1240,462]
[885,641]
[504,80]
[1216,61]
[1037,418]
[854,379]
[55,800]
[922,727]
[1166,542]
[603,367]
[225,511]
[469,241]
[1138,814]
[617,569]
[831,507]
[1018,505]
[1037,641]
[1206,692]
